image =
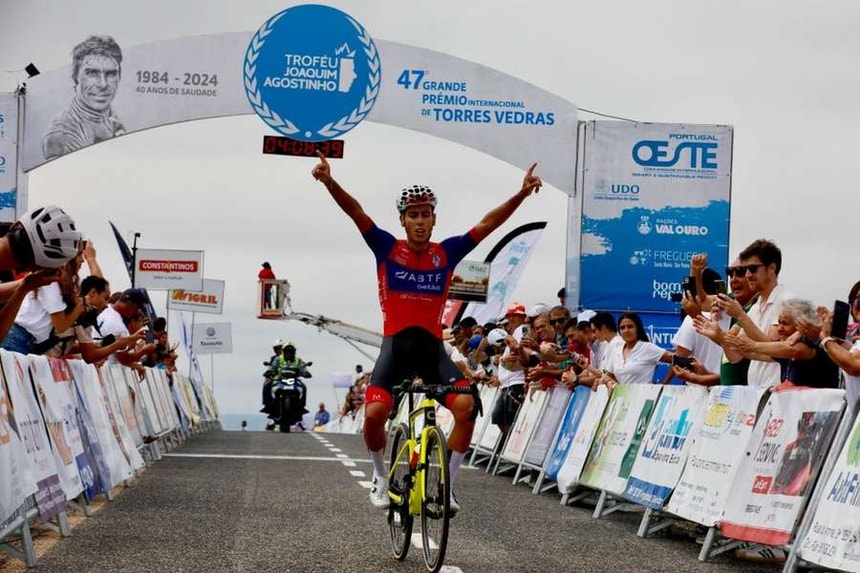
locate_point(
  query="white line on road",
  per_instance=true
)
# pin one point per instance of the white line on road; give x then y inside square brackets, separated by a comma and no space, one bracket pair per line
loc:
[339,458]
[365,484]
[352,464]
[356,473]
[335,450]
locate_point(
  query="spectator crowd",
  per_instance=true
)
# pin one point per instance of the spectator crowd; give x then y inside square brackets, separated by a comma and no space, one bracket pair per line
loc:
[48,309]
[746,329]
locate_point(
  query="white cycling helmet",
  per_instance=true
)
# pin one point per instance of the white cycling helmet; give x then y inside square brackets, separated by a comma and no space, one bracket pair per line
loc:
[53,236]
[278,343]
[415,195]
[496,336]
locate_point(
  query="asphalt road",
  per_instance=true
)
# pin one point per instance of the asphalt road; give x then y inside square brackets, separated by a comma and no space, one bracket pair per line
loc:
[257,501]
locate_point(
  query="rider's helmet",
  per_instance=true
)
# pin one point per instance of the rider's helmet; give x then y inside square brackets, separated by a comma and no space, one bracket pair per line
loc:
[54,241]
[415,195]
[288,345]
[278,343]
[496,336]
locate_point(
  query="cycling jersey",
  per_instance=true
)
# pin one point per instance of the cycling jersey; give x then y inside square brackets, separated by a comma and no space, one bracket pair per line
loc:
[413,285]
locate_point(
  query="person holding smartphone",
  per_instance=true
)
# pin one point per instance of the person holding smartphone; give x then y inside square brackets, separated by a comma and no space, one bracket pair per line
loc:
[844,353]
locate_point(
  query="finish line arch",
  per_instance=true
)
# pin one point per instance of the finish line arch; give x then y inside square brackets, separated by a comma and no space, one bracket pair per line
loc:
[207,76]
[201,77]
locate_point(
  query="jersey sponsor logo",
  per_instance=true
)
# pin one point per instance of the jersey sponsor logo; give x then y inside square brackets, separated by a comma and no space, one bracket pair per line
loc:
[401,279]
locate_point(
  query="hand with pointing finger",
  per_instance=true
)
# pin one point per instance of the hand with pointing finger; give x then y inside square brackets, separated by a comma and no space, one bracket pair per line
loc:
[322,171]
[531,182]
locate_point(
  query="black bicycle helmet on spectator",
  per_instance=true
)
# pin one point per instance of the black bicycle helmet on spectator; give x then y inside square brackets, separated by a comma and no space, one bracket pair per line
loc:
[415,195]
[53,236]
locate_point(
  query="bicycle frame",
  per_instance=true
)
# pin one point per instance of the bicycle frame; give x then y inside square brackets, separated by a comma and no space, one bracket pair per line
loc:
[417,456]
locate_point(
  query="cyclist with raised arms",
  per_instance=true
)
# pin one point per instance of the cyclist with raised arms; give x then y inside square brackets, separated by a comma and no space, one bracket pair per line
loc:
[414,276]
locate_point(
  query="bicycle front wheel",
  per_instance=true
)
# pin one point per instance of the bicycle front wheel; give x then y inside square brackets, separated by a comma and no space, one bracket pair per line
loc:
[400,488]
[435,507]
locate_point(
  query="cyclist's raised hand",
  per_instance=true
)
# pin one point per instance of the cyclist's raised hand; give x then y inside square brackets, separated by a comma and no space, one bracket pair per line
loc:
[531,182]
[322,171]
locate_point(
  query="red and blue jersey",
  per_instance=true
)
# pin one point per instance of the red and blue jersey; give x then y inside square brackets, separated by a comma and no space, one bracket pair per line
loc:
[413,285]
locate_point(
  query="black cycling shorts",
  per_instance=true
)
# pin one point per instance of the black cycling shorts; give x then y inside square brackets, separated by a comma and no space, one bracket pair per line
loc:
[412,352]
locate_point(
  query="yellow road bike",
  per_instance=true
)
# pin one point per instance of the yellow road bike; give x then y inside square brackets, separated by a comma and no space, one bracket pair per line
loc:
[419,481]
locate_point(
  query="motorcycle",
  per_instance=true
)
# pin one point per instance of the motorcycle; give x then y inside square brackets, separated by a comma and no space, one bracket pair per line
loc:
[289,395]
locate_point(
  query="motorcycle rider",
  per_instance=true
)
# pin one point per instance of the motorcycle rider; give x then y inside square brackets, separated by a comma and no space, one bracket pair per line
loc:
[289,360]
[269,376]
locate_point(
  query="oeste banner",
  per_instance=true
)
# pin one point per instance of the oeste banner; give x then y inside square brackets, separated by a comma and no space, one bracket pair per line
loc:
[8,156]
[653,195]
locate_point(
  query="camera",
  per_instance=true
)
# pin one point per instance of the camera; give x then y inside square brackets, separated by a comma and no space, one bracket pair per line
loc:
[89,317]
[687,285]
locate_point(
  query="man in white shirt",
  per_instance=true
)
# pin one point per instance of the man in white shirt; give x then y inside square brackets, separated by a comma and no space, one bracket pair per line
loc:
[511,372]
[689,343]
[763,261]
[111,321]
[607,339]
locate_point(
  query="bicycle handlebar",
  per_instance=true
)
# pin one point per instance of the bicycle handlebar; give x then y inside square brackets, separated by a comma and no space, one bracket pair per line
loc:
[413,387]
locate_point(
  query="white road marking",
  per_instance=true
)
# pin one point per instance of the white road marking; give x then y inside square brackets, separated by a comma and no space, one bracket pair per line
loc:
[335,450]
[417,542]
[357,473]
[340,458]
[352,464]
[365,484]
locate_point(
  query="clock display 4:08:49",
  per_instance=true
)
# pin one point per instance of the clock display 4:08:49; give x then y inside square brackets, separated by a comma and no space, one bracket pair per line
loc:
[332,148]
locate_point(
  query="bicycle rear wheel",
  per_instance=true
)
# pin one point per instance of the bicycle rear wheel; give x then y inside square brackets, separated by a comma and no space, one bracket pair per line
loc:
[400,485]
[435,507]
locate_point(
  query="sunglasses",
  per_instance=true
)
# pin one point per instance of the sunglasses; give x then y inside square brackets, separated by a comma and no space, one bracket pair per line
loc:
[742,270]
[555,321]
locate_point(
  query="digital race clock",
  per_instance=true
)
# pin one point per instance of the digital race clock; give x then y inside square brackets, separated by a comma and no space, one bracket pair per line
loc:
[277,145]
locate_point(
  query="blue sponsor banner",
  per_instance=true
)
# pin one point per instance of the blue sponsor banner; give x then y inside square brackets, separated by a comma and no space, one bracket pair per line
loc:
[653,196]
[569,426]
[651,250]
[645,493]
[312,72]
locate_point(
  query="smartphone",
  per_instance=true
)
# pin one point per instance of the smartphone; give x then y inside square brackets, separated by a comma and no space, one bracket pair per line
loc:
[720,286]
[682,361]
[690,285]
[526,330]
[839,324]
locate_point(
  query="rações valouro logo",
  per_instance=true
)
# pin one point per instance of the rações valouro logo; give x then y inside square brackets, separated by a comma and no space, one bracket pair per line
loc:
[312,72]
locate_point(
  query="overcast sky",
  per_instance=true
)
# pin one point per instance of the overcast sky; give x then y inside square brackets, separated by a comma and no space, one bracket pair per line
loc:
[784,74]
